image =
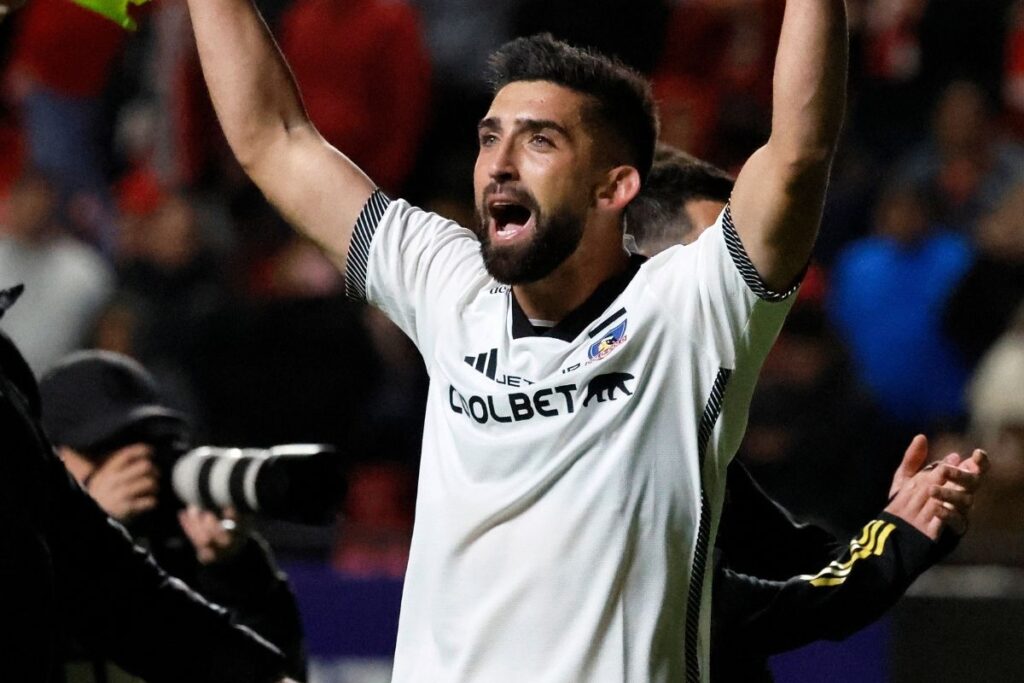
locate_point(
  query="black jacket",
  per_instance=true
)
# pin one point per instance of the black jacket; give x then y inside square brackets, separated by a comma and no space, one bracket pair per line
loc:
[66,570]
[779,585]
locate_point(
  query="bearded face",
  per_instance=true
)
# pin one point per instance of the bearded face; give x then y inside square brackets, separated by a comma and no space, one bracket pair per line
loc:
[519,241]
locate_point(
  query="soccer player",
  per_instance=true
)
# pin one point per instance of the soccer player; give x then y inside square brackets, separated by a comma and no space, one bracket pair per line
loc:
[779,585]
[583,403]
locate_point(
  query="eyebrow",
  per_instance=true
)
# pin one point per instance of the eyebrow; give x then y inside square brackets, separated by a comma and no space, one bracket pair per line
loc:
[525,124]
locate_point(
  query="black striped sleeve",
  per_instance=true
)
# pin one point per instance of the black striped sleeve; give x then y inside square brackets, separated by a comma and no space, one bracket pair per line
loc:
[359,248]
[746,267]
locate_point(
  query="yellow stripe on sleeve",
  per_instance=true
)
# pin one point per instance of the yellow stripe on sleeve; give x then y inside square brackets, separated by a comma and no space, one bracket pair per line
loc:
[871,542]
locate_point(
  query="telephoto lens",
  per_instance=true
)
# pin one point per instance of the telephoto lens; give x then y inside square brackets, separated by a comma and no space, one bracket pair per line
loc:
[301,483]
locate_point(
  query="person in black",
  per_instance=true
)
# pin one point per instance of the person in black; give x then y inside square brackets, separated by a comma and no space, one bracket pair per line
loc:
[119,438]
[778,584]
[67,570]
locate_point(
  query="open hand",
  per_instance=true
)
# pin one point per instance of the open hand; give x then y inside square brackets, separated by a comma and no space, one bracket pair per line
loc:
[939,495]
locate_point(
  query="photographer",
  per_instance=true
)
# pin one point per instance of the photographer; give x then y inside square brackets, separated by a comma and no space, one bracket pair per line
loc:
[120,440]
[66,569]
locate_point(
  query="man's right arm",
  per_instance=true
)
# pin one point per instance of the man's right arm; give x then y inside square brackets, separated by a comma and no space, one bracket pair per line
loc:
[314,186]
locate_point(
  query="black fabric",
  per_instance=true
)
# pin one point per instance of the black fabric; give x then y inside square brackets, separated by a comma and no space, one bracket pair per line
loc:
[761,538]
[92,396]
[754,617]
[67,570]
[983,304]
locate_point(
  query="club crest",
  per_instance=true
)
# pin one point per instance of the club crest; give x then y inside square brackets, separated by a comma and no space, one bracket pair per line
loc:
[608,343]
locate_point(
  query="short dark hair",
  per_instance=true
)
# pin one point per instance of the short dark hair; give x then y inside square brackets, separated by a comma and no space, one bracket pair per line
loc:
[623,99]
[656,217]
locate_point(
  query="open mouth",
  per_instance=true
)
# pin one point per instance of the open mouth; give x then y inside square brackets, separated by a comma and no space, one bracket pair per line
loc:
[510,219]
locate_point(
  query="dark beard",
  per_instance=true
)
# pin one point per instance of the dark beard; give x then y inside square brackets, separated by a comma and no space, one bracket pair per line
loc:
[555,238]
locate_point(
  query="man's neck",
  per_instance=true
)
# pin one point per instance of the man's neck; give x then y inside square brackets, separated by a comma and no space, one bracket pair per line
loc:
[572,283]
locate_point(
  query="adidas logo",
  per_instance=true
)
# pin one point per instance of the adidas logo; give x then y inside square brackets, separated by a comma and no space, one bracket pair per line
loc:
[486,364]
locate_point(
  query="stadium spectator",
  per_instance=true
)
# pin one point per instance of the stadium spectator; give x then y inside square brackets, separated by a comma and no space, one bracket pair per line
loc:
[723,50]
[62,60]
[997,418]
[1013,68]
[985,300]
[369,92]
[966,166]
[376,527]
[887,114]
[886,300]
[66,282]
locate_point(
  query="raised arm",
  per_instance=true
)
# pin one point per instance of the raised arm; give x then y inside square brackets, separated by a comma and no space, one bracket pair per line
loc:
[315,187]
[780,193]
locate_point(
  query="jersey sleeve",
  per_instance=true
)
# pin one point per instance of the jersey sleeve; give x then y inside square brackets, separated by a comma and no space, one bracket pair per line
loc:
[780,547]
[411,264]
[848,594]
[723,308]
[713,289]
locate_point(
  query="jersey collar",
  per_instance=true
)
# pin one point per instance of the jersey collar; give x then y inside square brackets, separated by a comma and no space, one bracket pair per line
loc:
[583,315]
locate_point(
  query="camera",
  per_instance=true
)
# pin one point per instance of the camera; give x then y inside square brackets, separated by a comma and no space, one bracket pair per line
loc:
[98,402]
[301,483]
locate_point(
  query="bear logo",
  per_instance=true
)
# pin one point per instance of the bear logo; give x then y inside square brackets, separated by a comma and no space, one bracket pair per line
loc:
[604,387]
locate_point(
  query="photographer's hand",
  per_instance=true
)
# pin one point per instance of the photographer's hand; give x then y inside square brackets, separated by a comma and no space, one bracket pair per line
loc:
[216,539]
[124,485]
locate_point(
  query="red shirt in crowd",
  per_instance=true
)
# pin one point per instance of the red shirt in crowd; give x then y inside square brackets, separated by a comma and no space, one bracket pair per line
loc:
[364,74]
[66,48]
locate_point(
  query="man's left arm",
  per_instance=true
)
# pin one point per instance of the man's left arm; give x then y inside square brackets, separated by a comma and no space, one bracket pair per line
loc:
[846,596]
[780,193]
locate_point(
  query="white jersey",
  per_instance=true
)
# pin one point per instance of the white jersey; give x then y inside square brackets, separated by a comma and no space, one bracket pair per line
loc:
[571,478]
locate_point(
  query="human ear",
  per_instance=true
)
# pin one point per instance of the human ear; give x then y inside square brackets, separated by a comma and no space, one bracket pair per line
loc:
[621,185]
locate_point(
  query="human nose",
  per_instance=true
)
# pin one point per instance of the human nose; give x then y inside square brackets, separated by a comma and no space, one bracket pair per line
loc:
[503,166]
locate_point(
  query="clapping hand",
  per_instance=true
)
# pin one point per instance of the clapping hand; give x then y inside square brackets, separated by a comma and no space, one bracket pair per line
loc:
[939,495]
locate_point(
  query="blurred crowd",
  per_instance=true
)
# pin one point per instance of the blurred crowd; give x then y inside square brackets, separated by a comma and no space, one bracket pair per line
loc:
[134,230]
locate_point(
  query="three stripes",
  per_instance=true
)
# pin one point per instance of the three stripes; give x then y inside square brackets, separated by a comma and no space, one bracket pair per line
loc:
[871,542]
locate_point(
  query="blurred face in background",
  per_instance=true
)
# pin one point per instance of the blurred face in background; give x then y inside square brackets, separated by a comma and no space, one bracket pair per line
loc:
[902,216]
[961,119]
[31,209]
[1001,233]
[173,240]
